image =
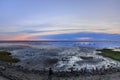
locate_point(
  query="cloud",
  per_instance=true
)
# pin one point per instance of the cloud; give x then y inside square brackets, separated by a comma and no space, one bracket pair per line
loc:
[66,25]
[63,22]
[58,34]
[84,38]
[80,36]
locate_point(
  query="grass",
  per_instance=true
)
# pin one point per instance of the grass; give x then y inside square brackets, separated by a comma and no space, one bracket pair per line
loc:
[6,57]
[110,53]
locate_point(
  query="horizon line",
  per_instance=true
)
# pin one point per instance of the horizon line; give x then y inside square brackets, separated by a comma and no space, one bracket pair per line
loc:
[59,40]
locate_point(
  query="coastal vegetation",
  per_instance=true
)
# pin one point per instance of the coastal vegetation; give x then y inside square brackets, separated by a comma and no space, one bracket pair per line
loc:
[6,57]
[110,53]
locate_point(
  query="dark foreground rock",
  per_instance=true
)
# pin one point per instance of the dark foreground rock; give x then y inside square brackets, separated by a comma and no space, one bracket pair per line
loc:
[8,71]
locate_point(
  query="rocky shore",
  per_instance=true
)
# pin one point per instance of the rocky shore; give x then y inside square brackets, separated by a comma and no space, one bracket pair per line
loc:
[9,71]
[66,63]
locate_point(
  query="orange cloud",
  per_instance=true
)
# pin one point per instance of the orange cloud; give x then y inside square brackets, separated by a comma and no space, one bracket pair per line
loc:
[21,37]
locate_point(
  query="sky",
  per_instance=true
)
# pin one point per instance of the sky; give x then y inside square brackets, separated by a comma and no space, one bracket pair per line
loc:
[59,19]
